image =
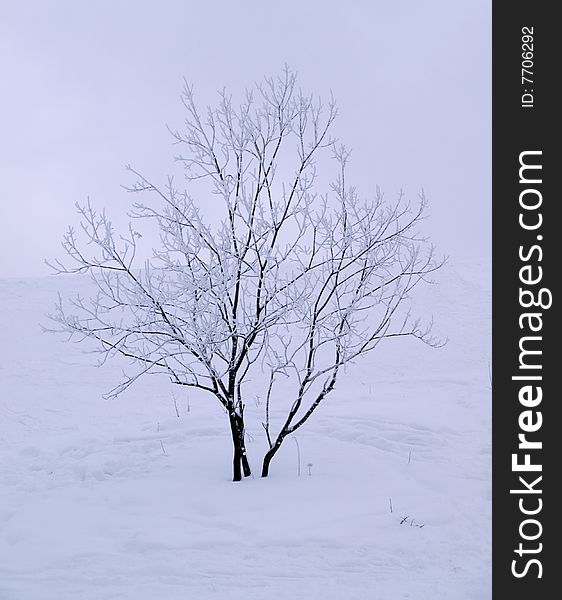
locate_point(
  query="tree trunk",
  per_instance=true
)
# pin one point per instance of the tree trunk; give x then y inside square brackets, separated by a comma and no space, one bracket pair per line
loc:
[268,456]
[240,462]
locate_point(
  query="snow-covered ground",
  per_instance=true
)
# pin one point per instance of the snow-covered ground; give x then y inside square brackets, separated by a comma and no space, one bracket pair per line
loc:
[122,499]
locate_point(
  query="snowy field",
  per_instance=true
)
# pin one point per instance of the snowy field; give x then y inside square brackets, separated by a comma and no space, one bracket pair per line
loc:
[123,500]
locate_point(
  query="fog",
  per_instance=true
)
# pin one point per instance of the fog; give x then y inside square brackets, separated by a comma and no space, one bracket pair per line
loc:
[90,87]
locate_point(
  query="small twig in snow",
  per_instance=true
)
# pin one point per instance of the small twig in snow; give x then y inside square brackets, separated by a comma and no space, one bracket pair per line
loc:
[298,456]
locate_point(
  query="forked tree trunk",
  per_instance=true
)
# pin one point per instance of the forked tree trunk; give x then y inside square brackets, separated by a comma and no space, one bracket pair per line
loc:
[289,428]
[240,464]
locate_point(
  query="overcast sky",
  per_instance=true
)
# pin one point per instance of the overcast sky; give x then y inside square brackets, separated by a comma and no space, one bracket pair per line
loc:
[88,87]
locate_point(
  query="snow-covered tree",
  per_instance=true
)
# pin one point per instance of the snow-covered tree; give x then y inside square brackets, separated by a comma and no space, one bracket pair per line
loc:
[293,281]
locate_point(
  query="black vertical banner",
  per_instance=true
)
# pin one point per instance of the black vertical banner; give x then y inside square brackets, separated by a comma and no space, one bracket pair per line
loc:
[527,353]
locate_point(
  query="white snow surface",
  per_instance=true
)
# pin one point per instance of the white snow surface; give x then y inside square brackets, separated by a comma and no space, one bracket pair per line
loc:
[122,499]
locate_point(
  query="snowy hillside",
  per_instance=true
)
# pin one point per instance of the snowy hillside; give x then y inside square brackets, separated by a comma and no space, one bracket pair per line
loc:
[123,499]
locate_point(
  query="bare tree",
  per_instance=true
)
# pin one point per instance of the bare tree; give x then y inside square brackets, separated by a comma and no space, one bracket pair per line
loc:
[290,283]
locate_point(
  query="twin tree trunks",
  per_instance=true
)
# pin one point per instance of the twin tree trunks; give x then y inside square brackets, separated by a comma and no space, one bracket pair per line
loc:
[240,464]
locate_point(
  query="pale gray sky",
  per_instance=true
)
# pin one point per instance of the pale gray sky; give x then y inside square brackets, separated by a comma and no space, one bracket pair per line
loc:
[88,87]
